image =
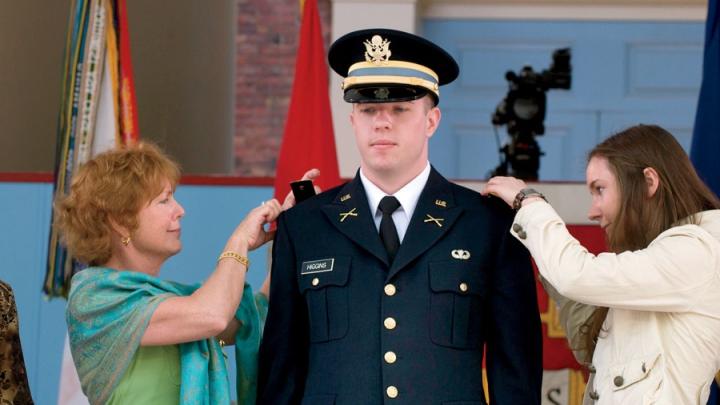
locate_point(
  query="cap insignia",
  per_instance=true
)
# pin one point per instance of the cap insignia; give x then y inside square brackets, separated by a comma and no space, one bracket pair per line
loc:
[377,49]
[382,93]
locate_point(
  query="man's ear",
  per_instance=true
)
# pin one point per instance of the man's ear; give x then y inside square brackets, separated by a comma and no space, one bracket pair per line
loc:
[433,120]
[652,180]
[352,116]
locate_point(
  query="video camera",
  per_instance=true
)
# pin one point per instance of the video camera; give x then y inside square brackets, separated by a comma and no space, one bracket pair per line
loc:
[523,110]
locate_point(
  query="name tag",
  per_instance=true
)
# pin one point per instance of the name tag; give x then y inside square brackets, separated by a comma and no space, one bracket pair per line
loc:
[317,266]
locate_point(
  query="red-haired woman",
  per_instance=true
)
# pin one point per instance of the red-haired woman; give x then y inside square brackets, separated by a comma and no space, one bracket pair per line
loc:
[134,337]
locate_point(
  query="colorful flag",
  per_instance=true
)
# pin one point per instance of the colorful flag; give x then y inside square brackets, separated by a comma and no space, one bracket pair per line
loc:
[308,140]
[97,109]
[706,134]
[97,112]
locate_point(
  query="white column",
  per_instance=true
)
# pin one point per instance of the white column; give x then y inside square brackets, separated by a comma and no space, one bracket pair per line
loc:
[351,15]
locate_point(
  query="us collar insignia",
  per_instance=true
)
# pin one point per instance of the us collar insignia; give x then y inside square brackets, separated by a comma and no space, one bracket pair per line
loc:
[377,50]
[441,203]
[437,221]
[345,197]
[344,215]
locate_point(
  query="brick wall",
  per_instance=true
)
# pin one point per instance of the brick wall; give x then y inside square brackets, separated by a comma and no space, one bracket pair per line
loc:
[266,42]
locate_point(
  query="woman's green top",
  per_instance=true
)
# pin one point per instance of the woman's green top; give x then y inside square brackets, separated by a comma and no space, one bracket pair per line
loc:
[152,378]
[107,314]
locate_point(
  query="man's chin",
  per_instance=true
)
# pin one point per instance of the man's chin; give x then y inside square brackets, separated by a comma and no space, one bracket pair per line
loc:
[380,168]
[382,163]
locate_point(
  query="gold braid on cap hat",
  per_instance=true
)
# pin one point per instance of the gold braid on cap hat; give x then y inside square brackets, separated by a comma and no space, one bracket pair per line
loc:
[379,69]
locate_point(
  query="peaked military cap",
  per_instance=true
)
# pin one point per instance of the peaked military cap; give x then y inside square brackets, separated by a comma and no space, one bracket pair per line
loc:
[383,65]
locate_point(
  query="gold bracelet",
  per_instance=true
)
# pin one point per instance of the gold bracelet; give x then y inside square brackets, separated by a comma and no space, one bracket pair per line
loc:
[238,258]
[222,346]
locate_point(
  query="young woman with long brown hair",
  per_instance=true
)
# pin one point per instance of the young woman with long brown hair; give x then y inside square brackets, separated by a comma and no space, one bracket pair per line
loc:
[654,335]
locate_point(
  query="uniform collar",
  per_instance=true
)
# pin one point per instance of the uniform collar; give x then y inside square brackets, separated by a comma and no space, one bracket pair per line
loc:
[408,195]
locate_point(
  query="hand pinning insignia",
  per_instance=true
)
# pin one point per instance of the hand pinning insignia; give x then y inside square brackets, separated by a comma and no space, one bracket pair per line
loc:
[344,215]
[437,221]
[460,254]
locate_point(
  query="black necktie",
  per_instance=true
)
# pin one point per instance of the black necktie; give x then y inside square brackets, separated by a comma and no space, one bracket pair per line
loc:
[388,233]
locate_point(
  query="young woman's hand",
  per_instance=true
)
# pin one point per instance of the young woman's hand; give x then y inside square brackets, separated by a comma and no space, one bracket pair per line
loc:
[506,188]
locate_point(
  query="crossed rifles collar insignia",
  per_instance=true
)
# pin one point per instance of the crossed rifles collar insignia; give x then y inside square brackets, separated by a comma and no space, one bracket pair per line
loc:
[345,215]
[437,221]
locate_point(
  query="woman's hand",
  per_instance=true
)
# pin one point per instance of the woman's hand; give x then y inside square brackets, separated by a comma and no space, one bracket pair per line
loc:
[311,174]
[251,233]
[506,188]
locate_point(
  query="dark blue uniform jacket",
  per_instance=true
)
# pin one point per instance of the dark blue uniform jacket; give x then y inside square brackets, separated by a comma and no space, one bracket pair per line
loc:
[344,327]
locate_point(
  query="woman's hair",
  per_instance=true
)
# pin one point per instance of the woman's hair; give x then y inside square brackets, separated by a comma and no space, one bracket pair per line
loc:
[680,193]
[112,186]
[641,218]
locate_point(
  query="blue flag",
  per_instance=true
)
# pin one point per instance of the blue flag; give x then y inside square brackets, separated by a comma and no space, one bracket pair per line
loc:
[705,150]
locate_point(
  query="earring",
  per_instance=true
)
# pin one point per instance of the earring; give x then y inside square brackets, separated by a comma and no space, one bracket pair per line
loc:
[125,240]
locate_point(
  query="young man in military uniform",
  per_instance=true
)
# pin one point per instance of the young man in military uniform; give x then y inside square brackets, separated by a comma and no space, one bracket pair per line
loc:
[390,288]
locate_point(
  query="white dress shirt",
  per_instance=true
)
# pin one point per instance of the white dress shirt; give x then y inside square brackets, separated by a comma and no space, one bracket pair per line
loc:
[408,197]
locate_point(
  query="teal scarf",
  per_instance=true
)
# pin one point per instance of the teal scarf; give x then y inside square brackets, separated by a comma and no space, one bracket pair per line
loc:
[107,314]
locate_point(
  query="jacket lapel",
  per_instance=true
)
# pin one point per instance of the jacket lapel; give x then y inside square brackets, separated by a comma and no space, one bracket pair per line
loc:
[350,214]
[434,215]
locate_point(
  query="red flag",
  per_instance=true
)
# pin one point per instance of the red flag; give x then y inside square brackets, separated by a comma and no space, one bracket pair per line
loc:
[308,140]
[128,105]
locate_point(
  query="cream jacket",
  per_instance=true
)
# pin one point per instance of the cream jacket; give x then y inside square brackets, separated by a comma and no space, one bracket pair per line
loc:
[662,339]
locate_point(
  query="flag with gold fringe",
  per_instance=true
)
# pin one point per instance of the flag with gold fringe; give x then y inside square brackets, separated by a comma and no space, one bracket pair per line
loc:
[97,111]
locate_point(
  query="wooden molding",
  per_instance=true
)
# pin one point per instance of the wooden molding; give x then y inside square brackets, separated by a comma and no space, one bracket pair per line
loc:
[574,10]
